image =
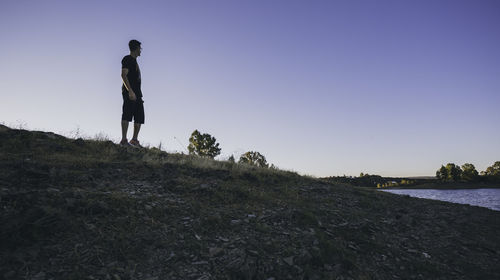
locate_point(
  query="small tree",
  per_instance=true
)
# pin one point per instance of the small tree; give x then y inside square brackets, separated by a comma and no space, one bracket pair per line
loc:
[493,170]
[253,158]
[454,172]
[203,145]
[442,173]
[449,173]
[231,159]
[469,172]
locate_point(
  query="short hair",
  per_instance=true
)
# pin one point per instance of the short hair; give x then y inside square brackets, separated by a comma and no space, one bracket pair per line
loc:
[134,45]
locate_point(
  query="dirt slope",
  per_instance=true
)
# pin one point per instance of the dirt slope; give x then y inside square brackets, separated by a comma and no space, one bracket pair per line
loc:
[83,209]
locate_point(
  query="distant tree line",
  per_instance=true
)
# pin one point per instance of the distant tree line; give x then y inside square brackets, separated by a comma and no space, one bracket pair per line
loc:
[396,183]
[468,173]
[205,145]
[368,180]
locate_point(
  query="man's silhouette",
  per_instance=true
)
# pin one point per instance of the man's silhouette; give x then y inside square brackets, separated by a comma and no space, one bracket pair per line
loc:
[132,95]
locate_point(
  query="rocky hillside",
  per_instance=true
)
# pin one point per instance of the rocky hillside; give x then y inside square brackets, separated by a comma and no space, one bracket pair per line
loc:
[83,209]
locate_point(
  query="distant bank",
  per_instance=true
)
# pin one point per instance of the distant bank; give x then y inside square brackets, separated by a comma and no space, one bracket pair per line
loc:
[375,181]
[448,186]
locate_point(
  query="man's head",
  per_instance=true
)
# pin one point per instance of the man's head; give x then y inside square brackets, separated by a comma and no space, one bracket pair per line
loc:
[135,48]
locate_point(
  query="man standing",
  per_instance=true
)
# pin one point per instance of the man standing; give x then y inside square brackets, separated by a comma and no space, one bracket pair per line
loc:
[132,95]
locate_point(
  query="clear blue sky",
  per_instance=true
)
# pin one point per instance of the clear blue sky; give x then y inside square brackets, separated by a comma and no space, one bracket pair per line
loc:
[395,88]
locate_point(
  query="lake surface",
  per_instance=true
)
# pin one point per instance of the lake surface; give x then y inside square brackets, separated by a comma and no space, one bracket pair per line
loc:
[489,198]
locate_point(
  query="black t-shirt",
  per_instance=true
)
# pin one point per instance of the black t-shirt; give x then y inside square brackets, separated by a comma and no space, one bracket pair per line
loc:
[134,75]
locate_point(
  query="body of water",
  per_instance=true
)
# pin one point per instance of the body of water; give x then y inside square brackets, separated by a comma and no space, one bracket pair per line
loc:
[489,198]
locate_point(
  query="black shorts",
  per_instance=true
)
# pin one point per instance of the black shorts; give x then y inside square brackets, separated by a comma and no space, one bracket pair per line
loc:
[132,109]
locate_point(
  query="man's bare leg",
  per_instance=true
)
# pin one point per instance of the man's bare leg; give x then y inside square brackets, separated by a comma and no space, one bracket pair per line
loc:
[137,128]
[124,130]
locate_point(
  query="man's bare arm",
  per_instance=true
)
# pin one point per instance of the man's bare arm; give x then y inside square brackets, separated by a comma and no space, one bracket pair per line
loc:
[131,92]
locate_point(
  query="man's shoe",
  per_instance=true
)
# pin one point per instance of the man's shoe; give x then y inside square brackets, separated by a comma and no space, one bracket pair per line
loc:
[135,143]
[124,143]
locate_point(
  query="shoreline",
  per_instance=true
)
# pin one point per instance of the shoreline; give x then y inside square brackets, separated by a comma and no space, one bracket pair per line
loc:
[485,197]
[456,186]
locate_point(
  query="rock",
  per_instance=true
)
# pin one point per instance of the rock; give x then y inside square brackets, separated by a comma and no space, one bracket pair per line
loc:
[253,253]
[171,256]
[215,251]
[235,222]
[39,276]
[288,260]
[223,239]
[353,246]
